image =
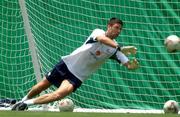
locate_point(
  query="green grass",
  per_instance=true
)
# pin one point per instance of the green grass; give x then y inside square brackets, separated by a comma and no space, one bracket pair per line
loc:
[76,114]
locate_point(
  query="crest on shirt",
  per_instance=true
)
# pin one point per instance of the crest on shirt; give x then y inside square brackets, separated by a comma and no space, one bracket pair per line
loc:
[98,53]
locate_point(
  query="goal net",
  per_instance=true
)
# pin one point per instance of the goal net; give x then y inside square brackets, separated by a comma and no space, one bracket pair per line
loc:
[36,33]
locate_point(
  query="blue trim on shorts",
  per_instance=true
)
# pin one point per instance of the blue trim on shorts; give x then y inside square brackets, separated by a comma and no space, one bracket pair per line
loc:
[61,72]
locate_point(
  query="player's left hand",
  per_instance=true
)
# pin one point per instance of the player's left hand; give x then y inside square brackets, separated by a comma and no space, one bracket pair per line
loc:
[127,50]
[133,64]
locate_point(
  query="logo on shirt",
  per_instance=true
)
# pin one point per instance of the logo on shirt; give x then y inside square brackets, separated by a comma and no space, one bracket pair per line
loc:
[98,53]
[95,54]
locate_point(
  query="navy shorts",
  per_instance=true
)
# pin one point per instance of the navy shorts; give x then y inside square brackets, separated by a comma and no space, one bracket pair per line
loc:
[61,72]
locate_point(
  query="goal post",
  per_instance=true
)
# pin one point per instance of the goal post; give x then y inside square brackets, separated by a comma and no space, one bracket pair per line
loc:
[58,27]
[32,47]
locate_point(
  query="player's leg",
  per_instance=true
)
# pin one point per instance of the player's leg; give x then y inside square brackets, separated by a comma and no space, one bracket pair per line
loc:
[65,89]
[63,79]
[37,89]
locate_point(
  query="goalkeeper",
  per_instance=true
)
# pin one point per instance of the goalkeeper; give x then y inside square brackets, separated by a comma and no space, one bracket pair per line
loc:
[76,67]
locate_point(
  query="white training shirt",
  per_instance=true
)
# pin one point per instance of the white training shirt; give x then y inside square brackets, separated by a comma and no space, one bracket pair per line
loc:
[87,58]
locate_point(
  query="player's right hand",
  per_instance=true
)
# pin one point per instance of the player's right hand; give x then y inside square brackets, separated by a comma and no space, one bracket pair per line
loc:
[127,50]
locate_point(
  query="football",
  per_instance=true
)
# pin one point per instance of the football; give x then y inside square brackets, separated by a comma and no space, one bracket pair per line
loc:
[172,43]
[171,106]
[66,105]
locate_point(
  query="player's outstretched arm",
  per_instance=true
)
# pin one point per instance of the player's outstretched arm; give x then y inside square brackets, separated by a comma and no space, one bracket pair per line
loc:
[123,59]
[127,50]
[107,41]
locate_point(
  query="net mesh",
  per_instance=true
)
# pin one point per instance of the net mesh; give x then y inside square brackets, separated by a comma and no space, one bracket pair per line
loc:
[59,27]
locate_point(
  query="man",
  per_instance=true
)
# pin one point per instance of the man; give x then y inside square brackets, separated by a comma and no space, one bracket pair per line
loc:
[75,68]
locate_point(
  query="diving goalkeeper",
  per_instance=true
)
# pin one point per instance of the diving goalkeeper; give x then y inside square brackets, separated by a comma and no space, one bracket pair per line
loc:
[75,68]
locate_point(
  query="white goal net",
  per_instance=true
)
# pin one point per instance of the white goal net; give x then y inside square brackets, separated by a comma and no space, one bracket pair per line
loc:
[36,33]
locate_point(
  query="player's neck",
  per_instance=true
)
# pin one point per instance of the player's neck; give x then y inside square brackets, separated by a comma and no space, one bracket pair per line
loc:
[109,36]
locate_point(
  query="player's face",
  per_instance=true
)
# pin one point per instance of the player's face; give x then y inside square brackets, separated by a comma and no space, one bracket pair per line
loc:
[114,30]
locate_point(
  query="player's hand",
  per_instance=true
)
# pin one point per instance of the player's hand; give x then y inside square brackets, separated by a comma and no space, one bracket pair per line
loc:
[127,50]
[134,64]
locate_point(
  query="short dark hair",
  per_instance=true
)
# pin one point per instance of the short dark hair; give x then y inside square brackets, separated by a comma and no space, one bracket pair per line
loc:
[115,20]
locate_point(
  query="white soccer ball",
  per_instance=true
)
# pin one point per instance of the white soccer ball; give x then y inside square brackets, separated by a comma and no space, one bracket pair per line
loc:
[66,105]
[172,43]
[171,106]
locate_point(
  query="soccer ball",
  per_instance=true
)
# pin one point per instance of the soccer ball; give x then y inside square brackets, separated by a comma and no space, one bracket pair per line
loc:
[172,43]
[171,106]
[66,105]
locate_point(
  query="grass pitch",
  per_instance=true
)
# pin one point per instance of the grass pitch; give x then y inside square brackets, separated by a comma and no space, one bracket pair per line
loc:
[77,114]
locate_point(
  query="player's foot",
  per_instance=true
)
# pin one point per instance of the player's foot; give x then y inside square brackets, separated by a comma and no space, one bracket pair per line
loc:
[20,106]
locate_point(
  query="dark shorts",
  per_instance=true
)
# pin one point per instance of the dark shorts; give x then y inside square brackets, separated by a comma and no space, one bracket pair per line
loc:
[61,72]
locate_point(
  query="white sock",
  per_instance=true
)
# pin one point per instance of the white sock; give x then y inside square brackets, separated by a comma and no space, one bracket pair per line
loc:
[29,102]
[24,98]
